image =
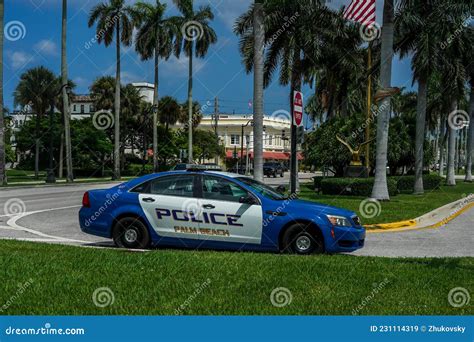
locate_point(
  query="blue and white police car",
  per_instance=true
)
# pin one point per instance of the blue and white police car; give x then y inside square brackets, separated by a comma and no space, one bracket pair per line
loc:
[197,208]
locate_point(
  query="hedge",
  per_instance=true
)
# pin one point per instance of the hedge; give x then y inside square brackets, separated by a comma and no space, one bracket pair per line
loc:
[354,186]
[407,183]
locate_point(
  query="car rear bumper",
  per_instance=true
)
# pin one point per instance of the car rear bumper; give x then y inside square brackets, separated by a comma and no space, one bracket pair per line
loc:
[91,225]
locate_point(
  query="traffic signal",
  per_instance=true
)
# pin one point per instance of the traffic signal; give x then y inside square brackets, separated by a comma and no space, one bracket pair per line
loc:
[300,135]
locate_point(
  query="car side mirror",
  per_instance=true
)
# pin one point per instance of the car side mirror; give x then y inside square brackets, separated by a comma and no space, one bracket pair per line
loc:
[281,189]
[247,200]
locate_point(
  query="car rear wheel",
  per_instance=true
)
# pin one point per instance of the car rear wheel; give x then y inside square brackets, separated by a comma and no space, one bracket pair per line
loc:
[130,232]
[301,239]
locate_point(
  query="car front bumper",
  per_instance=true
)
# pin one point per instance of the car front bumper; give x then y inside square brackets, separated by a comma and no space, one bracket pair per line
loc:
[345,239]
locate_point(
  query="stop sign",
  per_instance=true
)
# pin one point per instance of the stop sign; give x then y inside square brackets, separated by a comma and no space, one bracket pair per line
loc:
[298,108]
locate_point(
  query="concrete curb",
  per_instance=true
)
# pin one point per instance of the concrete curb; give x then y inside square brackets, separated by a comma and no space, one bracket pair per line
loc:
[433,219]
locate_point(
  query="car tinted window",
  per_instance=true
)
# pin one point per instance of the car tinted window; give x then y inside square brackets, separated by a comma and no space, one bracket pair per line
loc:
[216,188]
[180,185]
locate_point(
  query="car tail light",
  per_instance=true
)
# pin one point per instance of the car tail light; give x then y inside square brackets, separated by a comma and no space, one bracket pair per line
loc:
[86,201]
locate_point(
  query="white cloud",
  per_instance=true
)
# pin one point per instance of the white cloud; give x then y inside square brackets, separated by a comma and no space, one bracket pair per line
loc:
[46,47]
[179,66]
[19,59]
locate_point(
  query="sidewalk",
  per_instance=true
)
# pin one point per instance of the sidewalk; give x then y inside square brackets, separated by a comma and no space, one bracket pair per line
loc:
[433,219]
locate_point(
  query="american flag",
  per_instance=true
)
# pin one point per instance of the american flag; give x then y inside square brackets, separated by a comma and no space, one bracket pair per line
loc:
[362,11]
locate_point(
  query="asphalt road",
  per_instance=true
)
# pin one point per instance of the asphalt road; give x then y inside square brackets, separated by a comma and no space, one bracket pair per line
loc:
[50,215]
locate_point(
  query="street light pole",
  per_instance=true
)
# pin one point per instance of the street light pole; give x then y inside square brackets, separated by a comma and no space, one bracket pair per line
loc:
[242,143]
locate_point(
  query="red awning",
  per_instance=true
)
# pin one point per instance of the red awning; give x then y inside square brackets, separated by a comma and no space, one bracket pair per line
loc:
[266,155]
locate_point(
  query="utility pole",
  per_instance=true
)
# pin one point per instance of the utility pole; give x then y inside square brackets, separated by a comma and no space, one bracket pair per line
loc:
[216,124]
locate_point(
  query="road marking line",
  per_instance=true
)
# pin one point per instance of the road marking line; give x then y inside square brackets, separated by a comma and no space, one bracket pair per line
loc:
[40,211]
[14,226]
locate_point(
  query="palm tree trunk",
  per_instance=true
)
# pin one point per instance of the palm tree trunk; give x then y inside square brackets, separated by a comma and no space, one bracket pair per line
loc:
[190,107]
[155,112]
[116,175]
[442,146]
[380,189]
[420,134]
[61,156]
[66,113]
[450,178]
[37,145]
[3,172]
[259,33]
[470,138]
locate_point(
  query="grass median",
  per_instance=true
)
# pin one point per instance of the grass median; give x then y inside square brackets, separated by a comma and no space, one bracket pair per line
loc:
[399,208]
[40,279]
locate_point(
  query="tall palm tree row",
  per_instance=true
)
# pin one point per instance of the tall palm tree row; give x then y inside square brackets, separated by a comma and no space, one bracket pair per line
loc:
[154,40]
[3,173]
[113,20]
[194,36]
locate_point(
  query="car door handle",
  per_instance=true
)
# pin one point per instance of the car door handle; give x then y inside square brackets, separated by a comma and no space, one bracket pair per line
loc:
[208,206]
[148,199]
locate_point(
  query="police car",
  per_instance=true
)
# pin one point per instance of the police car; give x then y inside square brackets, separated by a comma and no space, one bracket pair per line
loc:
[199,208]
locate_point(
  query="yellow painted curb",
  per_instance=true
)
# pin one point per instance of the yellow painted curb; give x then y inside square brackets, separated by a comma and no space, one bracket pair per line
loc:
[412,224]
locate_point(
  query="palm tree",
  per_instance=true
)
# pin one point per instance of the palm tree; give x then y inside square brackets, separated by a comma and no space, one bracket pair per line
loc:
[194,36]
[380,189]
[286,51]
[170,110]
[64,82]
[154,39]
[113,20]
[470,70]
[3,173]
[37,88]
[258,50]
[103,92]
[196,115]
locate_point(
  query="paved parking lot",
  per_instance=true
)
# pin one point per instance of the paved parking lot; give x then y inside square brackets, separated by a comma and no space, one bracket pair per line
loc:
[51,216]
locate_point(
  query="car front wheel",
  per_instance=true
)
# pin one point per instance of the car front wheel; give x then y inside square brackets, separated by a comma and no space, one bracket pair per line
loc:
[299,239]
[130,232]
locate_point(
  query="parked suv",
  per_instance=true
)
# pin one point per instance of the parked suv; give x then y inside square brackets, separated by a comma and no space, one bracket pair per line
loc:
[273,169]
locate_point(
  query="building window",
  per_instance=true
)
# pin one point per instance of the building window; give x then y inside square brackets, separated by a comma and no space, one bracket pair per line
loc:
[247,139]
[82,109]
[270,140]
[91,108]
[235,139]
[74,108]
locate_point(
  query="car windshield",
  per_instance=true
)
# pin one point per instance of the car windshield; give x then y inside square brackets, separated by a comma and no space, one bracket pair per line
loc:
[262,188]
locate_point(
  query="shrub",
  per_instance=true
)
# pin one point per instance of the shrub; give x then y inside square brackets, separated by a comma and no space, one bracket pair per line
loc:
[354,186]
[317,182]
[407,183]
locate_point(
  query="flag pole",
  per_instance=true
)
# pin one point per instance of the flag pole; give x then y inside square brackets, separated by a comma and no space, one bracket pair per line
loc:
[369,105]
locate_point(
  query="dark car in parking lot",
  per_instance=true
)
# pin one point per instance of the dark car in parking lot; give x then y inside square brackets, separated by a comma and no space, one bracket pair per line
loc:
[273,169]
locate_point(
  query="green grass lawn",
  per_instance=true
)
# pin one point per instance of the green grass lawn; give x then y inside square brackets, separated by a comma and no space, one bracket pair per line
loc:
[63,280]
[400,207]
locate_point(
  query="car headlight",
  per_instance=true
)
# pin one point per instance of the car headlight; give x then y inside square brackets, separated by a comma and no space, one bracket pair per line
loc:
[339,221]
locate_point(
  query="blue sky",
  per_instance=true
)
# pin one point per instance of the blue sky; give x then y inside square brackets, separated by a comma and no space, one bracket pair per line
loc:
[220,73]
